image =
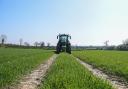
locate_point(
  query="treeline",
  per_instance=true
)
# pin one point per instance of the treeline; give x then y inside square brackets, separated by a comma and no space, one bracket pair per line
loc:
[27,46]
[22,44]
[93,48]
[121,47]
[42,45]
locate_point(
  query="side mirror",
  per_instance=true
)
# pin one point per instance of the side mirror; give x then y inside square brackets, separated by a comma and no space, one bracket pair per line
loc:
[57,37]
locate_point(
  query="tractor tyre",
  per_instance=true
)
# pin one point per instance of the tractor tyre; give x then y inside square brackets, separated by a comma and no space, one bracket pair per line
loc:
[57,49]
[68,48]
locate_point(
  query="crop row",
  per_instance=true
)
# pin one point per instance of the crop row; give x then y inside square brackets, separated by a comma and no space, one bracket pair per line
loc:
[16,62]
[67,73]
[111,62]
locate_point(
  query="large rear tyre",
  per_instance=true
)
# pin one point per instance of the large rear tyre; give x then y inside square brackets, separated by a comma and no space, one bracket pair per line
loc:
[68,48]
[58,49]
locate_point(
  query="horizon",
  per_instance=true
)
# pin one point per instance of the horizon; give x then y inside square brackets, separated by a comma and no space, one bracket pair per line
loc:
[89,22]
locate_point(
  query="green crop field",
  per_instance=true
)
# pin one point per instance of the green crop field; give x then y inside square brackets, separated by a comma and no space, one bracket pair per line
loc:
[67,73]
[111,62]
[16,62]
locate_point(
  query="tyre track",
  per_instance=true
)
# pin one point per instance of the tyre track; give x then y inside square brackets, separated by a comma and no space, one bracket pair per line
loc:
[116,82]
[33,80]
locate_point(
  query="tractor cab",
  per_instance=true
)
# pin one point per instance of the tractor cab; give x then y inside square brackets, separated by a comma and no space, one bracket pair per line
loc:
[63,43]
[63,38]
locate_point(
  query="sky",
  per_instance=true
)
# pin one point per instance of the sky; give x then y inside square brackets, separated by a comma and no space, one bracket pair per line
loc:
[89,22]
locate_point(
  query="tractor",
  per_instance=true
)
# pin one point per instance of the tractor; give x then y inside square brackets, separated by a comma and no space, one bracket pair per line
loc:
[63,44]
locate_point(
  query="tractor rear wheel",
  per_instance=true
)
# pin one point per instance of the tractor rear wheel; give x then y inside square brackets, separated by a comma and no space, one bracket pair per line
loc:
[58,49]
[68,48]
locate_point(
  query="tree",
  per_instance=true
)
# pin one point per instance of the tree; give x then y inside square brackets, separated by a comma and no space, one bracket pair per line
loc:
[125,42]
[3,39]
[48,44]
[21,41]
[106,43]
[124,45]
[42,44]
[36,44]
[26,44]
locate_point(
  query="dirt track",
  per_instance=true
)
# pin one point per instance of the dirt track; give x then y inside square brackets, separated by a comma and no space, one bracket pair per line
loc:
[33,80]
[116,82]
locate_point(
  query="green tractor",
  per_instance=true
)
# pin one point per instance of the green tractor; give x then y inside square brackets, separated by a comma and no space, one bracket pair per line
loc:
[63,44]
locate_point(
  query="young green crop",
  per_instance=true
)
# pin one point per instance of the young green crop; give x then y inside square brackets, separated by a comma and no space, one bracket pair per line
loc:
[67,73]
[16,62]
[111,62]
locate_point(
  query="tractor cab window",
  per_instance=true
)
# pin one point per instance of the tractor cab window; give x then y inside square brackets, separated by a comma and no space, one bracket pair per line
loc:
[63,38]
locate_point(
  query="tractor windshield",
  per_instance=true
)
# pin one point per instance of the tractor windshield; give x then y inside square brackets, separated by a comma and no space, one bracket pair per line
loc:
[63,38]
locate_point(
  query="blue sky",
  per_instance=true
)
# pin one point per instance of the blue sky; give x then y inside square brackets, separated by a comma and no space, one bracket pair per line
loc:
[89,22]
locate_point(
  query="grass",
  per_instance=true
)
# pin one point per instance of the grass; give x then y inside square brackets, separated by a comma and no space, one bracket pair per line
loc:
[16,62]
[111,62]
[67,73]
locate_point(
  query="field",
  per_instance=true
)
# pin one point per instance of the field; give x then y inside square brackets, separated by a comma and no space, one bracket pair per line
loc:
[16,62]
[67,73]
[111,62]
